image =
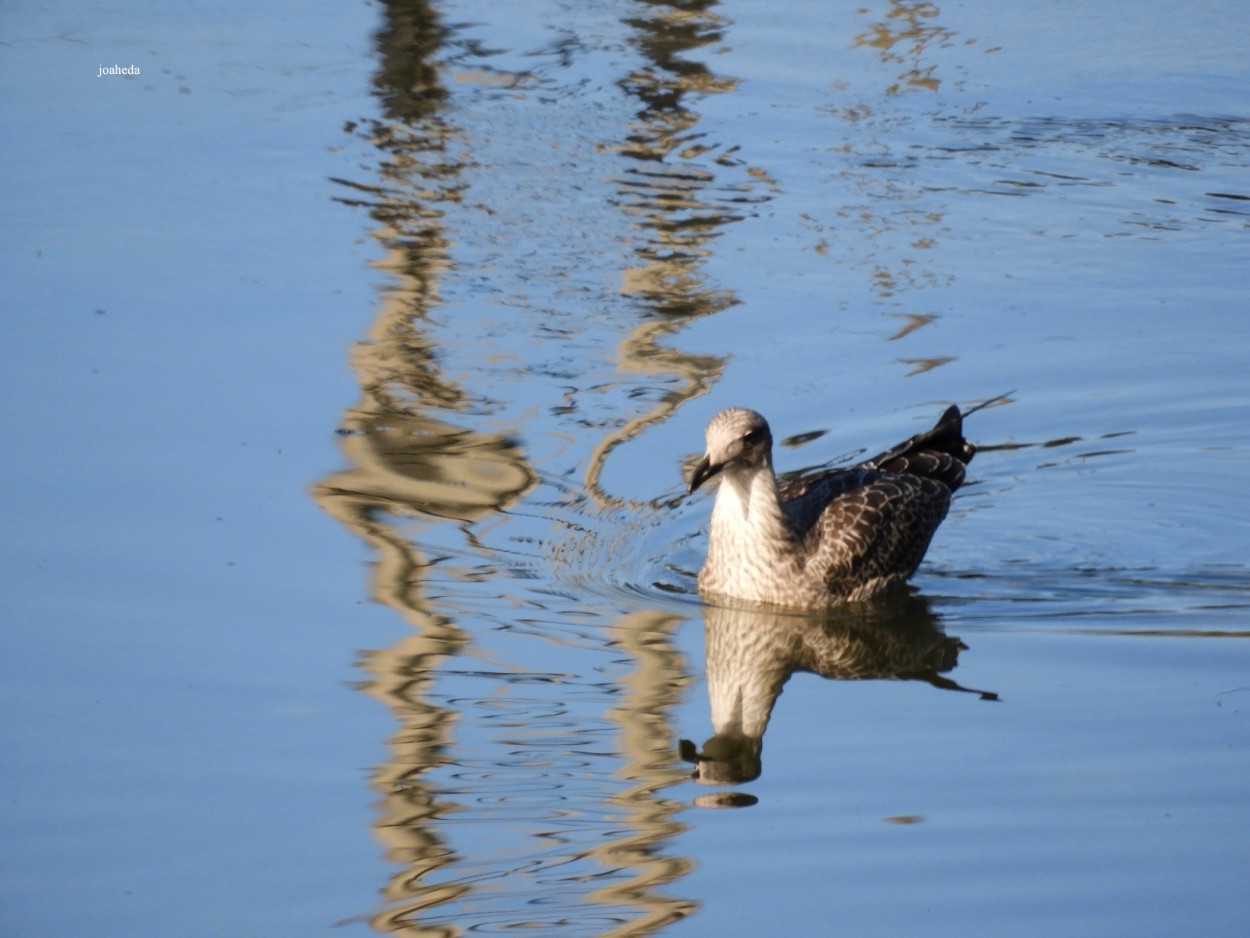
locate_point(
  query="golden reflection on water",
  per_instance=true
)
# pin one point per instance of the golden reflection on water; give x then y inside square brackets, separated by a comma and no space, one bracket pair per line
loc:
[677,194]
[887,224]
[651,692]
[674,164]
[903,36]
[415,464]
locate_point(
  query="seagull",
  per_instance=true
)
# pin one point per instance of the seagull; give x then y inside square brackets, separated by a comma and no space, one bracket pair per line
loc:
[833,536]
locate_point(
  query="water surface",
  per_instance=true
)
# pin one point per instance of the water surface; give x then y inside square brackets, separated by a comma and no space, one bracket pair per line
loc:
[547,244]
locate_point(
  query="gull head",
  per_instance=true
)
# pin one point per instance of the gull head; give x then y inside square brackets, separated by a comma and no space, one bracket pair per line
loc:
[737,439]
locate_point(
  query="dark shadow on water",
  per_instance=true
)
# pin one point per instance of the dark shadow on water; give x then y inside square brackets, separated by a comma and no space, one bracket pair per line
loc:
[751,654]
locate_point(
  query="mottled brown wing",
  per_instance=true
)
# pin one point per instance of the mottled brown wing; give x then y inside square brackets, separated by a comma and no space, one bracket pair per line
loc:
[940,453]
[879,528]
[805,497]
[875,520]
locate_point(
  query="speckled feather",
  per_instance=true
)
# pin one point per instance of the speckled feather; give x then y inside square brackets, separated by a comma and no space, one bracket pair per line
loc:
[833,536]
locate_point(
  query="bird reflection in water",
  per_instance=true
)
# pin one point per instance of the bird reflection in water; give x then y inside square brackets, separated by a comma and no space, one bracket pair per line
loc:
[751,653]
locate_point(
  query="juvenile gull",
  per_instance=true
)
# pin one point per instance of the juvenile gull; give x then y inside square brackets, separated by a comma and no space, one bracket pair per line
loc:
[841,535]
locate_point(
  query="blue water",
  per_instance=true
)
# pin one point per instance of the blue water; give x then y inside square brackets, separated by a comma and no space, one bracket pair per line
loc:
[353,357]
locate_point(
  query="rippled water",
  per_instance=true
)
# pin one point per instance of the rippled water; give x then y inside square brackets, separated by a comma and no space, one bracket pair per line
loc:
[554,239]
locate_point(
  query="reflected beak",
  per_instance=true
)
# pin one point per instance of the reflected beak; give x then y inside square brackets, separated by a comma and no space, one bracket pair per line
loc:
[704,471]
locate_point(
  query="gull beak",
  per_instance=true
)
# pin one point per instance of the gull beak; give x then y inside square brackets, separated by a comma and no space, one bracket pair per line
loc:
[704,471]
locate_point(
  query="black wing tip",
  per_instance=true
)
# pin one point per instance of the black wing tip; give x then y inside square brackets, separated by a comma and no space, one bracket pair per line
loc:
[952,417]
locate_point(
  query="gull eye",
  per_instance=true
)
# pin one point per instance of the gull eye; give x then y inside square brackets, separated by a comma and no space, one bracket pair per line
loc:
[752,436]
